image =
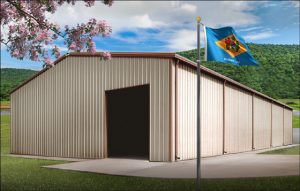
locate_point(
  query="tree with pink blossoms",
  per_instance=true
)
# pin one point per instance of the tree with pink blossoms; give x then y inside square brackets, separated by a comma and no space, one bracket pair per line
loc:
[27,33]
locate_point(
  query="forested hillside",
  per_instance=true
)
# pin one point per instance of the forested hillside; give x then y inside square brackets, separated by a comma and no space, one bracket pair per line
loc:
[11,78]
[277,76]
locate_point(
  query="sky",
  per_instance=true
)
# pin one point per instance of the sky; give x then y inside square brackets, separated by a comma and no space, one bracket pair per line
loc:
[170,26]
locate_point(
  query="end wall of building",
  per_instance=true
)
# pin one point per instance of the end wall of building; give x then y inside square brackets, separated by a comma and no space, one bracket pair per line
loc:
[61,112]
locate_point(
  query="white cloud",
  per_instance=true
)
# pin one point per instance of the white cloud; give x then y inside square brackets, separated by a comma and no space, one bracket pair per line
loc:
[134,14]
[144,21]
[295,3]
[62,48]
[172,18]
[259,36]
[183,40]
[250,29]
[189,7]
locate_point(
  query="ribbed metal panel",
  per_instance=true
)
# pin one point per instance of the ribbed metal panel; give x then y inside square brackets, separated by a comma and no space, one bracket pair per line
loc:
[262,123]
[211,119]
[62,112]
[277,125]
[238,120]
[186,113]
[288,129]
[212,116]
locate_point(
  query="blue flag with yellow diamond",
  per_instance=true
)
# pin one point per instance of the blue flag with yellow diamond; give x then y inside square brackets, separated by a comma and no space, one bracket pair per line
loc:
[225,45]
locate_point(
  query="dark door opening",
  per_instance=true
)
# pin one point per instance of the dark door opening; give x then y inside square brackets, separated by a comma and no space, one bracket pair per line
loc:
[128,122]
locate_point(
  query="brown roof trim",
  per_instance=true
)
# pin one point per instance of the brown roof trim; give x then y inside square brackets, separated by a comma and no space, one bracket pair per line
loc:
[157,55]
[127,54]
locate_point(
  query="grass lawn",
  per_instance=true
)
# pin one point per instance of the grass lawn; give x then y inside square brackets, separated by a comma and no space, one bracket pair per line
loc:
[5,131]
[294,103]
[296,121]
[28,174]
[285,151]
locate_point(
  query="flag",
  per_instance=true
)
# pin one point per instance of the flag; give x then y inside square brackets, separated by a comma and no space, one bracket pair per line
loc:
[225,45]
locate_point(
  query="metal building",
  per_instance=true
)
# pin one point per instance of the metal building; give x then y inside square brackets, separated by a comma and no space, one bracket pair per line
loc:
[140,105]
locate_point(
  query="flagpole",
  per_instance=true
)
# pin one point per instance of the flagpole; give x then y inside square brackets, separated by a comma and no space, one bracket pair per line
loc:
[198,186]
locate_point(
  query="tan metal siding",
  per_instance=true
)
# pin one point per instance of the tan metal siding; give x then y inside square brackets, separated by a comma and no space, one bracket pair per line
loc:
[62,112]
[172,109]
[261,123]
[186,98]
[277,125]
[288,129]
[238,120]
[211,118]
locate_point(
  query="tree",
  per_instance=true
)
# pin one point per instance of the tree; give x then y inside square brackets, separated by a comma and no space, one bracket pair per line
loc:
[27,33]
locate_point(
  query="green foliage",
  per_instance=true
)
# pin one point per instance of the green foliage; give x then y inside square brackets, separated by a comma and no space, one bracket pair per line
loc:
[294,103]
[278,75]
[11,78]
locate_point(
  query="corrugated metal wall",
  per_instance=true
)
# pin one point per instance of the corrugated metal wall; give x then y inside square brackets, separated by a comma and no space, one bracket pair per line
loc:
[212,116]
[288,130]
[211,119]
[238,120]
[186,112]
[62,112]
[173,109]
[277,125]
[262,123]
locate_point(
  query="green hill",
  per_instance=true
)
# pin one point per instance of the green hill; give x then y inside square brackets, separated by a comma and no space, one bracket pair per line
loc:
[277,76]
[11,78]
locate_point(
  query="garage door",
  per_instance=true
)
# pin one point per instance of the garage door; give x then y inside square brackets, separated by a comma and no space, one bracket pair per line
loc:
[128,122]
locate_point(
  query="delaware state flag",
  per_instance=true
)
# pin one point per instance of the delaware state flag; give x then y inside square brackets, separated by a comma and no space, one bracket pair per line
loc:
[225,45]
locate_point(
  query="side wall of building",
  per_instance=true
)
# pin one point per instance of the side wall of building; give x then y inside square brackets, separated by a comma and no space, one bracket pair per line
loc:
[277,125]
[232,119]
[62,111]
[211,118]
[238,120]
[288,130]
[262,119]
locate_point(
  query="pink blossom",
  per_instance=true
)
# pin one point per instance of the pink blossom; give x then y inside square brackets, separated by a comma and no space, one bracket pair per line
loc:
[48,61]
[91,47]
[34,55]
[12,28]
[31,38]
[108,2]
[42,36]
[56,52]
[106,55]
[89,3]
[16,53]
[72,46]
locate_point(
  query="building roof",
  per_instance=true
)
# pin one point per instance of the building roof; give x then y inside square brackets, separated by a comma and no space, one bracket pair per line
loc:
[181,59]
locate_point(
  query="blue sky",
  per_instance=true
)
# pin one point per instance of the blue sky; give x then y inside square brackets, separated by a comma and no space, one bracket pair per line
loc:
[170,26]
